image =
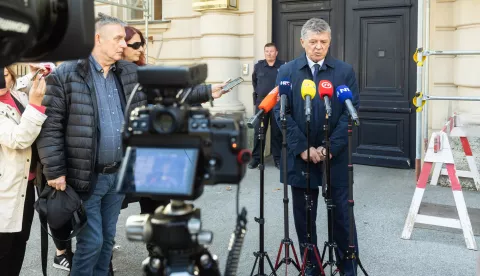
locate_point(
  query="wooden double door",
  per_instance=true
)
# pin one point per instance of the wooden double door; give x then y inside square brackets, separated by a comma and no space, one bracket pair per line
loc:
[378,38]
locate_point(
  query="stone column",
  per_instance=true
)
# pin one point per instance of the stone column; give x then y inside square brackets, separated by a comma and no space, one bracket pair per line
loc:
[467,38]
[220,50]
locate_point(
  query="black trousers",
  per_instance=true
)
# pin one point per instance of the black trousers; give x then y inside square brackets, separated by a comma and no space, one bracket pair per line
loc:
[275,137]
[13,245]
[340,225]
[60,237]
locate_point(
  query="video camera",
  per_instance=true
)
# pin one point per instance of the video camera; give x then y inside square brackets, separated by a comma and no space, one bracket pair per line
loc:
[45,30]
[173,149]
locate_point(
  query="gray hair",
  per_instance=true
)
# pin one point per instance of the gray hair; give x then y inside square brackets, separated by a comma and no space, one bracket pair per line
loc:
[315,25]
[104,19]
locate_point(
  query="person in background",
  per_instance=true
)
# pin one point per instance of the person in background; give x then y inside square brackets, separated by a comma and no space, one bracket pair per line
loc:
[64,254]
[263,81]
[135,51]
[97,89]
[21,118]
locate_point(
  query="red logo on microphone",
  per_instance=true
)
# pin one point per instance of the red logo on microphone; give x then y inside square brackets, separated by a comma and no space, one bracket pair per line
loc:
[326,84]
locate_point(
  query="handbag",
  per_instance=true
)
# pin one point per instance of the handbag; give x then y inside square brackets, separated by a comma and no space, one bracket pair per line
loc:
[61,207]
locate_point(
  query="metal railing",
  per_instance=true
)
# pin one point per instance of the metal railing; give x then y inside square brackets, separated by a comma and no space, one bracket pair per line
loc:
[421,98]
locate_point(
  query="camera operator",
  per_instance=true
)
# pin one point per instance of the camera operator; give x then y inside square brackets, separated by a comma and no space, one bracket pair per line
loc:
[80,144]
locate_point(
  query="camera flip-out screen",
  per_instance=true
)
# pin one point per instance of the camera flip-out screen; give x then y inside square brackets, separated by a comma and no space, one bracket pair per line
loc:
[158,172]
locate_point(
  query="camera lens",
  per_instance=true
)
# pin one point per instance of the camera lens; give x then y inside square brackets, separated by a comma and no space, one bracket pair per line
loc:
[164,122]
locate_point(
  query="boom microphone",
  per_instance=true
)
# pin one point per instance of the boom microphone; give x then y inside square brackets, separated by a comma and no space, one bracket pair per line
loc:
[285,90]
[308,93]
[265,106]
[344,95]
[325,89]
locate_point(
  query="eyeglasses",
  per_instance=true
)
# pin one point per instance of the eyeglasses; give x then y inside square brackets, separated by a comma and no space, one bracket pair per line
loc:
[136,45]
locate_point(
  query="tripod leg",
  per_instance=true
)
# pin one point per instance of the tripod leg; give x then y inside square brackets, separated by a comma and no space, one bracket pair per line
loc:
[278,255]
[271,265]
[296,258]
[254,264]
[361,267]
[304,263]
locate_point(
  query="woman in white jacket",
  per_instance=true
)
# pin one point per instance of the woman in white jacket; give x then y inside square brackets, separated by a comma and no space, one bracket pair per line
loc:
[21,118]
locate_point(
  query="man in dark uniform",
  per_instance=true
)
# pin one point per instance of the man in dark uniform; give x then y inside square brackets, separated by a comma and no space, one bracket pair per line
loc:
[317,64]
[263,80]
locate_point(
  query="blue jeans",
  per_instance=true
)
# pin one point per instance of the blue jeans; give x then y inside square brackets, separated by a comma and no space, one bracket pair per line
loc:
[95,241]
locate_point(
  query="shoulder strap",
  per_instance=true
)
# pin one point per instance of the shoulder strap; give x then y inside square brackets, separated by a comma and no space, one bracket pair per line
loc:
[43,240]
[19,105]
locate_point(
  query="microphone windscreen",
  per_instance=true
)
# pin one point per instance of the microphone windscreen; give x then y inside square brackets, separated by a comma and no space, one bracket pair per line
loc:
[343,93]
[308,89]
[325,88]
[270,100]
[285,87]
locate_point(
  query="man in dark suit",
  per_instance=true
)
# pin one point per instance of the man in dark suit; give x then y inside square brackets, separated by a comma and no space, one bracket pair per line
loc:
[317,64]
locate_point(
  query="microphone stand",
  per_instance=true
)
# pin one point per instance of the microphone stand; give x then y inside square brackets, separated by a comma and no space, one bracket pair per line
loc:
[327,194]
[351,253]
[287,242]
[309,246]
[261,254]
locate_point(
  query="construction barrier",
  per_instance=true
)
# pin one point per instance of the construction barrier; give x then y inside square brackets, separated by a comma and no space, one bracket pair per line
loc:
[439,151]
[461,126]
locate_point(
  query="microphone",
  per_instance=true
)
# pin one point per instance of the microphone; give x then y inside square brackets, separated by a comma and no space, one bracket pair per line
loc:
[344,95]
[265,106]
[308,93]
[325,89]
[284,90]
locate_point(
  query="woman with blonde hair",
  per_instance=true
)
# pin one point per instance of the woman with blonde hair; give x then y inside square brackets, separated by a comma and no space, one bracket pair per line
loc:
[21,119]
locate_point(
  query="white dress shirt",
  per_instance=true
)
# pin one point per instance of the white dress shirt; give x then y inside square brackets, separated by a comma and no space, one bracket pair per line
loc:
[311,64]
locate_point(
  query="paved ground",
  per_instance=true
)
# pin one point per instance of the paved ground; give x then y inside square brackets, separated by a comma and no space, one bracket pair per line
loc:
[382,198]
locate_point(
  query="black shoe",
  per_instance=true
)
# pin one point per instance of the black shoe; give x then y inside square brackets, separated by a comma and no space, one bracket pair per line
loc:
[253,164]
[63,261]
[277,164]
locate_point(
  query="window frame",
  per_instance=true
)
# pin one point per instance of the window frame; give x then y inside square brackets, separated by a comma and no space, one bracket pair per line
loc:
[153,17]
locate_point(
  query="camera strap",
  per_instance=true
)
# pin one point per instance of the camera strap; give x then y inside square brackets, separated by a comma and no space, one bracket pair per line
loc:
[2,80]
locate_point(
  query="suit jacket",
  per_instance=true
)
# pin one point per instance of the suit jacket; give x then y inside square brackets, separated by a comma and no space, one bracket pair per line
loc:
[338,73]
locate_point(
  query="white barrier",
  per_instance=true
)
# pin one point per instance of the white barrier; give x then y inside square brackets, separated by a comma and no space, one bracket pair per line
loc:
[439,151]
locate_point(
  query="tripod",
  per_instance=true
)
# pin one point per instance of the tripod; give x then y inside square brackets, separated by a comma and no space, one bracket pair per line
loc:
[261,254]
[179,241]
[309,246]
[351,251]
[327,194]
[287,242]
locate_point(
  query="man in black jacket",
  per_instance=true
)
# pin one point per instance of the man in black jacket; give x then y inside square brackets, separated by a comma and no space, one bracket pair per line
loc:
[263,81]
[80,143]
